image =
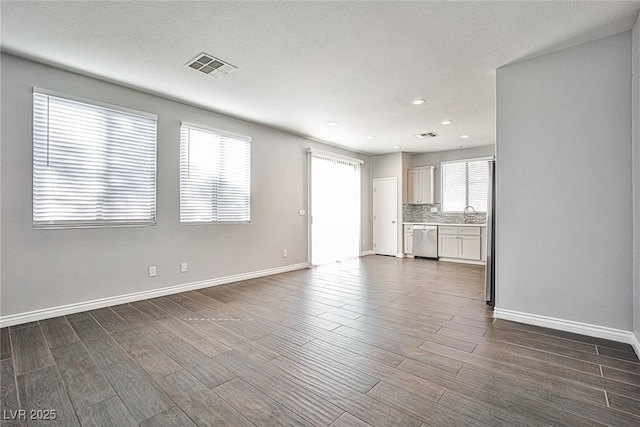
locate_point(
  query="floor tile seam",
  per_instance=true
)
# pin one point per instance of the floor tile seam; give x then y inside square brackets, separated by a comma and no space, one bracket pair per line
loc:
[368,371]
[417,397]
[360,355]
[101,372]
[589,385]
[576,340]
[176,405]
[551,353]
[47,348]
[66,392]
[307,389]
[15,375]
[537,383]
[541,399]
[315,369]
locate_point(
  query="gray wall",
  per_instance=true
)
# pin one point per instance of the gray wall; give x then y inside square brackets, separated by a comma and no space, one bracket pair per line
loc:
[636,178]
[435,158]
[407,160]
[386,166]
[564,208]
[49,268]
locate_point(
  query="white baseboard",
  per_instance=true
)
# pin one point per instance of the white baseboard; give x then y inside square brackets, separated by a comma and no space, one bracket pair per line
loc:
[365,253]
[63,310]
[462,261]
[635,342]
[399,255]
[612,334]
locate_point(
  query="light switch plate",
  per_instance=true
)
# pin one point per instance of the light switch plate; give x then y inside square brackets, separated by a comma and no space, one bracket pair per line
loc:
[183,267]
[302,212]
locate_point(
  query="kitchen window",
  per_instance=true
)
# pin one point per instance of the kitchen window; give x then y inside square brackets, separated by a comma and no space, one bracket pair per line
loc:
[94,165]
[214,175]
[465,183]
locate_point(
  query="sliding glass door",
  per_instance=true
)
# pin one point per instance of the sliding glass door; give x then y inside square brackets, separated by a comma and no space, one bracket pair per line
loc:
[335,207]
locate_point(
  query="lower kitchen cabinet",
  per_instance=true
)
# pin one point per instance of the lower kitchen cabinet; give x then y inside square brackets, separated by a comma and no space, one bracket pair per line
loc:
[448,246]
[460,243]
[408,239]
[469,247]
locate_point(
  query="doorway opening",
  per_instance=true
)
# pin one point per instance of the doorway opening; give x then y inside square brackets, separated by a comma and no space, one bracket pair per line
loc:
[334,199]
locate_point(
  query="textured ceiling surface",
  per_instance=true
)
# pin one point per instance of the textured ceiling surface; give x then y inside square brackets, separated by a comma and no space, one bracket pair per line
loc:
[304,64]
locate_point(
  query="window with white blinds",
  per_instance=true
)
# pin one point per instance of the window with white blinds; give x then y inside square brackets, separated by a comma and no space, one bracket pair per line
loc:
[465,183]
[93,165]
[215,183]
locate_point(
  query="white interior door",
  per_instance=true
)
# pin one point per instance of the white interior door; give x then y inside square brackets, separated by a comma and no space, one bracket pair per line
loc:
[385,216]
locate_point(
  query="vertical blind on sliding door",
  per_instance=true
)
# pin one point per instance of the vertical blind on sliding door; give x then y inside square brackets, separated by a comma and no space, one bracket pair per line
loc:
[335,208]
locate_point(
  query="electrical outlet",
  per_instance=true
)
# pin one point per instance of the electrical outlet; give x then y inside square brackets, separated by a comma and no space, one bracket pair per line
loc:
[152,271]
[284,254]
[434,210]
[183,267]
[363,242]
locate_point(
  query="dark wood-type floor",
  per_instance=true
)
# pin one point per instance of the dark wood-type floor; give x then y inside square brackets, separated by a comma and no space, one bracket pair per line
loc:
[376,341]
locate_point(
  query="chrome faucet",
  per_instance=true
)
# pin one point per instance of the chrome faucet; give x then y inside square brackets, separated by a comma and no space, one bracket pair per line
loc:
[465,214]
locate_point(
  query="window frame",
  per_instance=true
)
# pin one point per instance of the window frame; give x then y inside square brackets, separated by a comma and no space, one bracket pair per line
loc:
[80,224]
[220,133]
[466,161]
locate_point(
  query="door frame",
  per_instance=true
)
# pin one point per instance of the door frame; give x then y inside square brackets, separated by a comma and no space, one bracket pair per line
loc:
[373,206]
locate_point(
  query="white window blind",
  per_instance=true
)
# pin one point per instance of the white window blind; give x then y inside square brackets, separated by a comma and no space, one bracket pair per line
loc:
[465,183]
[93,165]
[214,176]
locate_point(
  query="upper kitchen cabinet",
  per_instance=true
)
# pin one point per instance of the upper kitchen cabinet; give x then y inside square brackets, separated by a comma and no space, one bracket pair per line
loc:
[420,188]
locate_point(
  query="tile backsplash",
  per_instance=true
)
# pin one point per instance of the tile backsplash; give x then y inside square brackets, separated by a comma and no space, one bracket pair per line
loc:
[422,213]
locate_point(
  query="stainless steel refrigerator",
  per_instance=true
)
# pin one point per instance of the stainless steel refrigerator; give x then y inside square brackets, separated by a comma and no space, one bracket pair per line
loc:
[490,269]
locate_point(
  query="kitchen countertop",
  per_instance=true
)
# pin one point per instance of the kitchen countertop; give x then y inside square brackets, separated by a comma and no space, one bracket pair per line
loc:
[445,224]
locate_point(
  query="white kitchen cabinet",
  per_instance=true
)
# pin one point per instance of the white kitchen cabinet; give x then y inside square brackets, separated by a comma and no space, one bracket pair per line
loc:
[420,185]
[448,246]
[460,243]
[469,247]
[408,239]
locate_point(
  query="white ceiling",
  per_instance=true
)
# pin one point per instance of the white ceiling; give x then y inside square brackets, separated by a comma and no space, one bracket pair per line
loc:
[303,64]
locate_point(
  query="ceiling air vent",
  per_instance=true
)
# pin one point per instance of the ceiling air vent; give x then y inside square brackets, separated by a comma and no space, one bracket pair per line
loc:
[425,135]
[211,65]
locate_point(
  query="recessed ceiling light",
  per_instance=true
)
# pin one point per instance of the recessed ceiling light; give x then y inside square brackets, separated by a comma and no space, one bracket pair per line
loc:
[446,122]
[464,136]
[370,137]
[332,123]
[418,101]
[396,147]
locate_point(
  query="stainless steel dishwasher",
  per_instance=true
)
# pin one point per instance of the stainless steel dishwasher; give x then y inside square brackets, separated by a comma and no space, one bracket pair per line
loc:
[425,241]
